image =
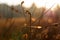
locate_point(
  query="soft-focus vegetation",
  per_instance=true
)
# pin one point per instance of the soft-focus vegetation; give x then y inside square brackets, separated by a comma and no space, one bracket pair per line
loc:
[14,23]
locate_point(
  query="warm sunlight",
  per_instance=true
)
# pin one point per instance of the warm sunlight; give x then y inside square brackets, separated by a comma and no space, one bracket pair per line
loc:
[46,3]
[11,2]
[28,3]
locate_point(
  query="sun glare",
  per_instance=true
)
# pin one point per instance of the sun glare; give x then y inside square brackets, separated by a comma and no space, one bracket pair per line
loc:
[41,3]
[28,3]
[10,2]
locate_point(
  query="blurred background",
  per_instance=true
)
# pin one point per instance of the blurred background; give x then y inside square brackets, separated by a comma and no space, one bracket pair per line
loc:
[29,20]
